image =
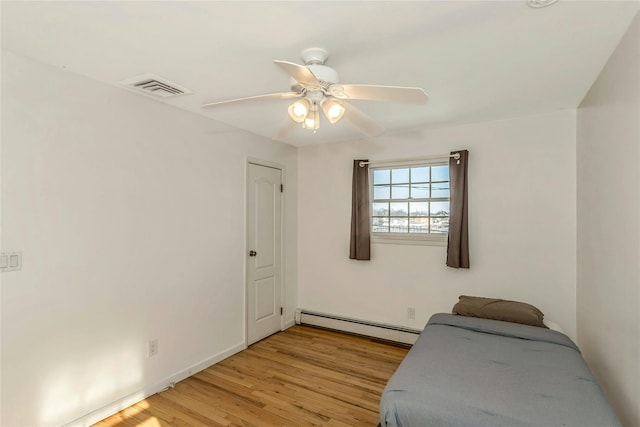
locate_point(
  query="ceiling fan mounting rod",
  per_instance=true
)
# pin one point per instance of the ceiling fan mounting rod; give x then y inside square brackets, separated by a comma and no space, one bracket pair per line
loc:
[314,56]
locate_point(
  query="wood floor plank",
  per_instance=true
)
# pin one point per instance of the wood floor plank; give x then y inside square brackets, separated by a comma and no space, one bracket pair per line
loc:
[299,377]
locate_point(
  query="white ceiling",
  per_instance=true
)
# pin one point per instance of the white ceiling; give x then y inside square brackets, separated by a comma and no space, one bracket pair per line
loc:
[477,60]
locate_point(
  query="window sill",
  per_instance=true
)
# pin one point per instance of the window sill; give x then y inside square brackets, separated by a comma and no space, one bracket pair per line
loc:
[410,240]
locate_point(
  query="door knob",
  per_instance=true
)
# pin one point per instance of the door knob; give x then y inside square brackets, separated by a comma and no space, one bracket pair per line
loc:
[253,253]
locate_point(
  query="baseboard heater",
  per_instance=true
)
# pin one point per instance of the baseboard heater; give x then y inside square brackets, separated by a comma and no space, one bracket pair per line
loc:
[358,327]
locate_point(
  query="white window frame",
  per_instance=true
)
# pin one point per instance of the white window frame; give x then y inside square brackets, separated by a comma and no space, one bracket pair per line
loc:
[423,239]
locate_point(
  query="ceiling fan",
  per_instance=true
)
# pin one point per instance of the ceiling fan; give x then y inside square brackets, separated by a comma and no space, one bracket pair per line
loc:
[315,86]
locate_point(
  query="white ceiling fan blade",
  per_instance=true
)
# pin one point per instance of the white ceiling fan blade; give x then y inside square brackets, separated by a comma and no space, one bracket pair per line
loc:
[361,121]
[285,130]
[299,72]
[282,95]
[408,95]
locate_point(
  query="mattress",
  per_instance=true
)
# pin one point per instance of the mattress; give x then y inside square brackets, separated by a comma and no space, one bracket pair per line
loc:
[466,371]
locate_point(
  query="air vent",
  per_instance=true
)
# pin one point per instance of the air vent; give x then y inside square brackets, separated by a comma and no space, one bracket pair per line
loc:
[155,85]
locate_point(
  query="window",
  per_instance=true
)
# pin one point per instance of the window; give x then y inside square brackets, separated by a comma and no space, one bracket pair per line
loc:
[410,203]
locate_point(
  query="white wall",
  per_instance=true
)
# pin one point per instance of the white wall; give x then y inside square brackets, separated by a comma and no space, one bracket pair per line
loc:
[608,289]
[129,216]
[521,220]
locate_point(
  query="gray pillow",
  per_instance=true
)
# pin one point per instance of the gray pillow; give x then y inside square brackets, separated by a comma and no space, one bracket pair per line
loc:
[499,309]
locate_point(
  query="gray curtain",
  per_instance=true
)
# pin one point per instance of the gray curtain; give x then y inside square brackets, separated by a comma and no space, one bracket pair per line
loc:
[360,228]
[458,244]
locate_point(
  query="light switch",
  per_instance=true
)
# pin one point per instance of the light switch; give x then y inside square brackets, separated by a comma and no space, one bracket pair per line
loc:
[10,261]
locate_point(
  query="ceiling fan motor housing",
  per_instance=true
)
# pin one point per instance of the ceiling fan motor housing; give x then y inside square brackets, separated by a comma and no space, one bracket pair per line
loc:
[322,73]
[314,59]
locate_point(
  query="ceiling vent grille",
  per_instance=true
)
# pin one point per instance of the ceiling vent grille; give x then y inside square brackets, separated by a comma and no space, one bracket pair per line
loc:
[155,85]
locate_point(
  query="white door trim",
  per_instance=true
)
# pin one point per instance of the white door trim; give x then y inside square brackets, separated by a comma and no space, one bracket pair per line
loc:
[283,175]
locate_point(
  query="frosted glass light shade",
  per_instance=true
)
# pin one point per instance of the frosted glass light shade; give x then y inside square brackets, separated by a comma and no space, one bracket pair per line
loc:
[312,121]
[334,110]
[299,110]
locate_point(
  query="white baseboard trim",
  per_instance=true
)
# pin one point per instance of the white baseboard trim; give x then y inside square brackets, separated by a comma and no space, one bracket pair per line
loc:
[356,326]
[133,398]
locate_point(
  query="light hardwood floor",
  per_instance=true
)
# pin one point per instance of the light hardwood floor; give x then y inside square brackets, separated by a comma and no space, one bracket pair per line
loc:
[300,377]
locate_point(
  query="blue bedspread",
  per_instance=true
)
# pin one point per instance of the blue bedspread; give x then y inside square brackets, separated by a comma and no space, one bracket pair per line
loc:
[465,371]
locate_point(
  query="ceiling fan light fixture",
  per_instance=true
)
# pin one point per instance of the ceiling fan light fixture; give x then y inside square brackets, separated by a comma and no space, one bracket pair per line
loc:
[334,110]
[299,110]
[314,85]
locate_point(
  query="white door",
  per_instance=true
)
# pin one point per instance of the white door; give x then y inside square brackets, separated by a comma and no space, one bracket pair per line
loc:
[264,256]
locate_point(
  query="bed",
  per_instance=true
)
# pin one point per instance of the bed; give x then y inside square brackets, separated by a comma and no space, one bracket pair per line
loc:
[468,371]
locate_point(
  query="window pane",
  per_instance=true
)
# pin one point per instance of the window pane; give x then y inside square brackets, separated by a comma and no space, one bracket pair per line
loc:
[400,191]
[381,209]
[399,209]
[440,173]
[419,209]
[418,225]
[439,225]
[381,192]
[420,174]
[440,189]
[380,225]
[399,225]
[439,209]
[399,176]
[403,200]
[381,176]
[420,191]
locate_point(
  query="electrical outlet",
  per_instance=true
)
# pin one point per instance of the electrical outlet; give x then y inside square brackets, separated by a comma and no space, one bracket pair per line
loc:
[411,312]
[153,347]
[10,261]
